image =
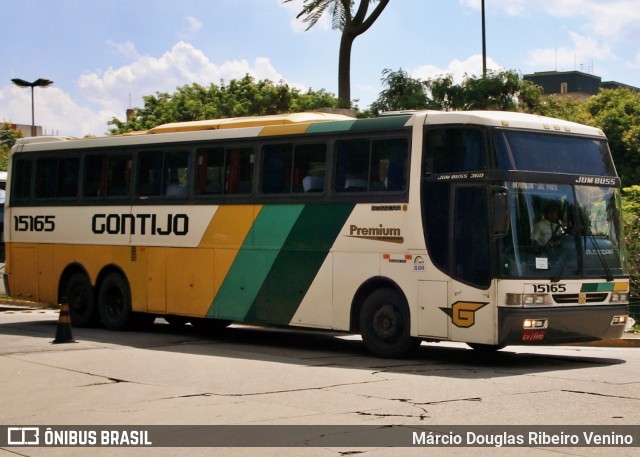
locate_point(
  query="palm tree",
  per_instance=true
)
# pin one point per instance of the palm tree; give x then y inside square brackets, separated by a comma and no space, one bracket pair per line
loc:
[352,26]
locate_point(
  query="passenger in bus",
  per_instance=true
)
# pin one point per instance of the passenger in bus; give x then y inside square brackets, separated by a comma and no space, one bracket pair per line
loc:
[548,227]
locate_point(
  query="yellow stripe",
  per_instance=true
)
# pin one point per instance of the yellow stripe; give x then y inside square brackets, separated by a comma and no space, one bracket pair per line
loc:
[621,287]
[289,129]
[226,233]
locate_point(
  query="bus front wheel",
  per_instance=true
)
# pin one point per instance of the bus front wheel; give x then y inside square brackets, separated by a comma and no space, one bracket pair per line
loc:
[83,310]
[114,302]
[385,324]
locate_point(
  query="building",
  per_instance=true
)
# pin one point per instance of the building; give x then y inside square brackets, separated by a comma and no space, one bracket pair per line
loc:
[572,83]
[26,129]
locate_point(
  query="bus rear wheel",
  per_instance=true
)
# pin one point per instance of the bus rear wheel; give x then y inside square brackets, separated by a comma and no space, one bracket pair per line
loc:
[83,310]
[385,324]
[114,302]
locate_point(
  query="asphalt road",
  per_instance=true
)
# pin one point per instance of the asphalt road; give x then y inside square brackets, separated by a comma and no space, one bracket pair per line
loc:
[265,376]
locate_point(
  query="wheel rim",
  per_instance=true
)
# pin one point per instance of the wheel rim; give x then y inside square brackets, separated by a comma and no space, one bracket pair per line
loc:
[387,323]
[77,302]
[114,302]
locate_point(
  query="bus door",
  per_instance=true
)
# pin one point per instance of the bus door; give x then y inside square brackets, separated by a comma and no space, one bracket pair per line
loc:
[472,317]
[457,230]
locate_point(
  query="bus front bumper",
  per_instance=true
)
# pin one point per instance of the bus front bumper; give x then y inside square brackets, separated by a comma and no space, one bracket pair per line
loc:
[557,325]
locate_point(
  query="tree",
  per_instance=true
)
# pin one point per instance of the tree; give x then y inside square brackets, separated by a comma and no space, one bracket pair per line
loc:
[351,26]
[8,137]
[502,90]
[498,90]
[631,213]
[240,97]
[401,92]
[617,113]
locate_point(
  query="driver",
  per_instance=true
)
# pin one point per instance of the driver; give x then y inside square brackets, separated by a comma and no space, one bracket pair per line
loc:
[548,227]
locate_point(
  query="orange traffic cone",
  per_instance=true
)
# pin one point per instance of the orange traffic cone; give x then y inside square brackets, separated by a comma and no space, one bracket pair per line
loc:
[63,330]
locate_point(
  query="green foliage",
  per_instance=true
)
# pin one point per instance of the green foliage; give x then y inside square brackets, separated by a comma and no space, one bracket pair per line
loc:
[617,113]
[401,92]
[500,90]
[8,137]
[313,10]
[242,97]
[631,213]
[567,108]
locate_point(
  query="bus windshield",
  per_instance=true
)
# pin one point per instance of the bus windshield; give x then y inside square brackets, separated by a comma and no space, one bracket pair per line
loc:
[553,153]
[563,231]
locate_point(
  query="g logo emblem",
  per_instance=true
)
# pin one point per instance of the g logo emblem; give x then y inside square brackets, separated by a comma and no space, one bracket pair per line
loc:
[463,313]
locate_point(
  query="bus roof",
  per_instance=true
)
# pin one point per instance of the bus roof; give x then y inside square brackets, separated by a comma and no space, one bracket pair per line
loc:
[510,119]
[249,121]
[307,122]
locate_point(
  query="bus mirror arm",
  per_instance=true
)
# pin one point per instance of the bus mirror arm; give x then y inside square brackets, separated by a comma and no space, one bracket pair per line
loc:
[500,211]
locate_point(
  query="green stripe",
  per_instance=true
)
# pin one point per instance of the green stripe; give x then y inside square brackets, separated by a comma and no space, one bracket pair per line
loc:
[325,127]
[380,123]
[254,261]
[598,287]
[298,263]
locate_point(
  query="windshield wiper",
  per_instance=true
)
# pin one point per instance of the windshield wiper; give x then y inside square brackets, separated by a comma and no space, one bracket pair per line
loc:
[563,262]
[601,258]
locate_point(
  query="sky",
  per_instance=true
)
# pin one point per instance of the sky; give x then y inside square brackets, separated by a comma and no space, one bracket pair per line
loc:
[104,56]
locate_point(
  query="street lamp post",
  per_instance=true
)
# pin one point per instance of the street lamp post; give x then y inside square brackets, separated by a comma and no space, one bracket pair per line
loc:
[484,45]
[40,82]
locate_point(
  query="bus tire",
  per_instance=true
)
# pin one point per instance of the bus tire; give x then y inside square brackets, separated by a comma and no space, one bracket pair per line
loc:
[81,299]
[206,326]
[486,348]
[114,302]
[385,324]
[175,321]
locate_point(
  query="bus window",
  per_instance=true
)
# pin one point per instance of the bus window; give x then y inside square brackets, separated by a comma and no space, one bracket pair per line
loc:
[352,165]
[276,168]
[448,150]
[239,170]
[389,164]
[309,167]
[224,171]
[176,173]
[376,166]
[210,174]
[22,179]
[107,175]
[163,173]
[57,178]
[289,169]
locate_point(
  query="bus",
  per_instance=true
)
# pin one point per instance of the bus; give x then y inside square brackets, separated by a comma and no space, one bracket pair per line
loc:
[487,228]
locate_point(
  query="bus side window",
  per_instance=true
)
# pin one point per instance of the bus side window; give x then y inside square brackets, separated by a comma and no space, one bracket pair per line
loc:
[93,175]
[46,171]
[68,177]
[163,173]
[210,171]
[57,177]
[450,150]
[389,165]
[352,165]
[239,170]
[22,179]
[119,176]
[276,168]
[149,173]
[176,174]
[309,167]
[107,175]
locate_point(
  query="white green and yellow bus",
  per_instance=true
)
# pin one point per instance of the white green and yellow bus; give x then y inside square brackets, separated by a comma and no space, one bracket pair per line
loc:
[412,226]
